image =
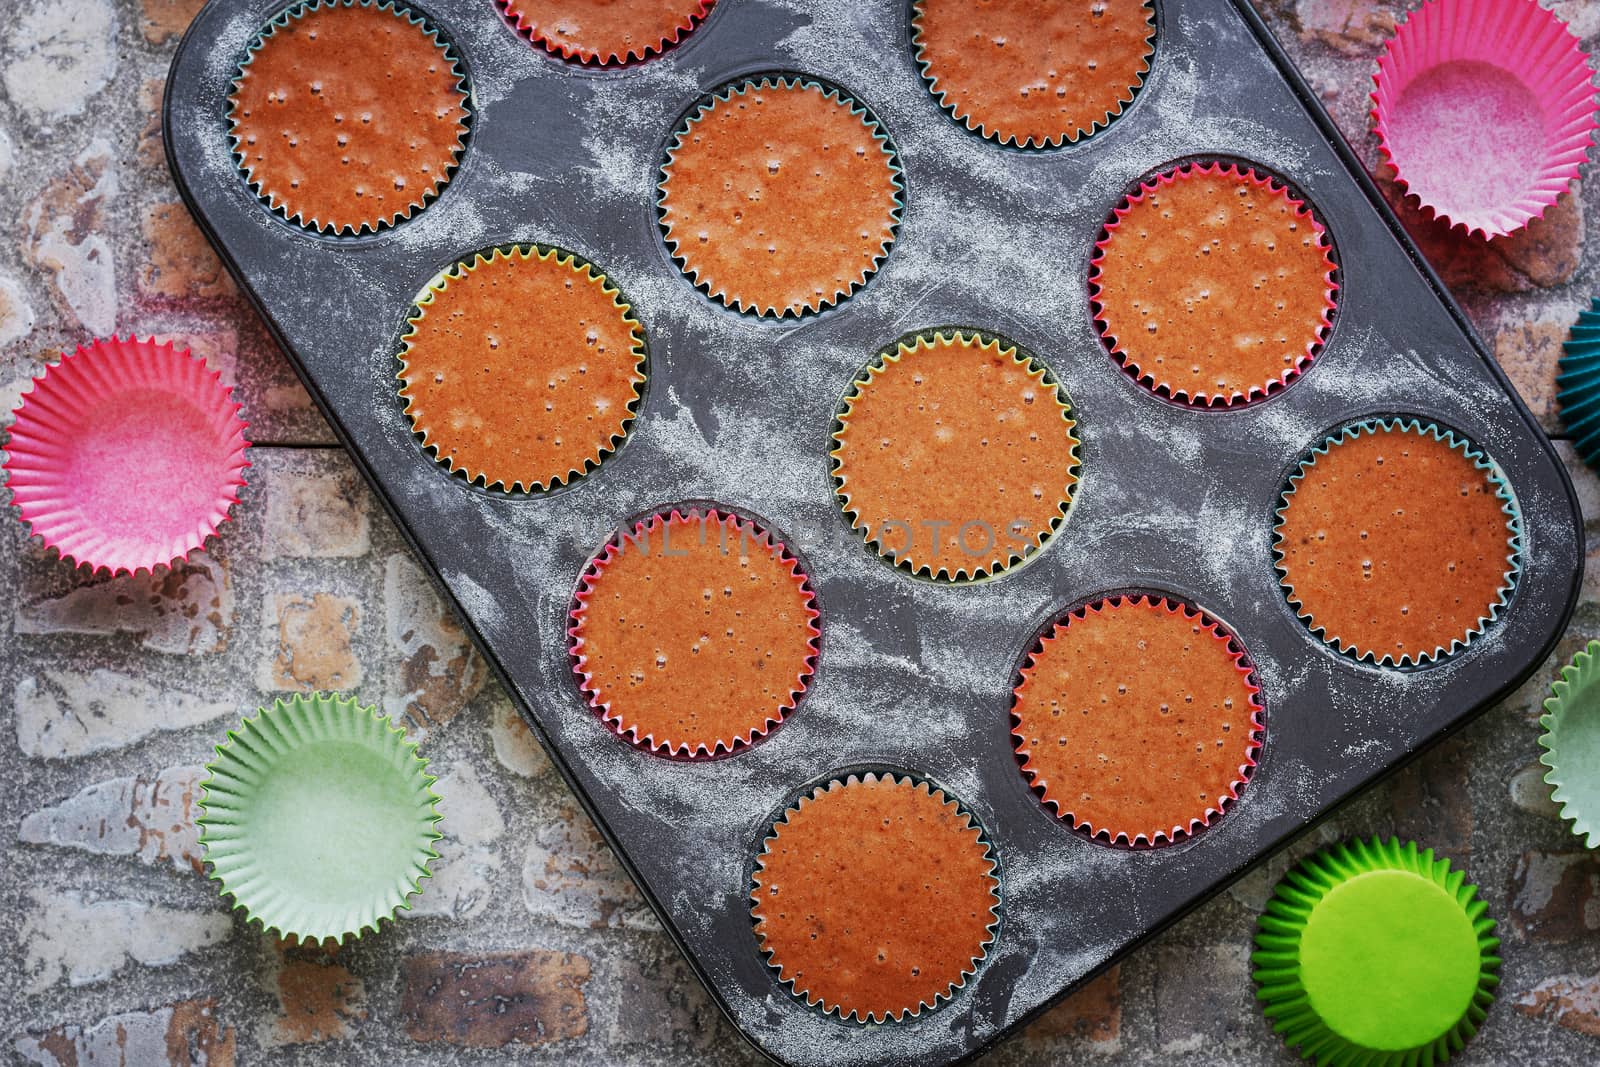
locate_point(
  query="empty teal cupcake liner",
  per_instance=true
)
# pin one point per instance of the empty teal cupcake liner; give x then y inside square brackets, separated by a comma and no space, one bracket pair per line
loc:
[318,818]
[1578,385]
[1480,460]
[1376,954]
[1571,743]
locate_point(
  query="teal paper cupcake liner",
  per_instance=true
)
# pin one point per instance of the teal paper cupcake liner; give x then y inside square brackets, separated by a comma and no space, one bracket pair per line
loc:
[1578,385]
[1371,954]
[318,817]
[1479,460]
[1571,743]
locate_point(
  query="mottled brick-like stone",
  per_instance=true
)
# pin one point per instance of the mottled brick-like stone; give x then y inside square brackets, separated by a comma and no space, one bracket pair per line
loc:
[185,1034]
[63,236]
[490,1001]
[439,669]
[66,936]
[570,876]
[179,264]
[1569,1000]
[64,715]
[1431,803]
[164,19]
[16,315]
[1093,1013]
[185,610]
[1203,998]
[315,513]
[151,151]
[151,818]
[1528,349]
[1555,896]
[1531,793]
[513,742]
[58,55]
[469,861]
[660,1003]
[309,642]
[1546,253]
[1354,27]
[318,999]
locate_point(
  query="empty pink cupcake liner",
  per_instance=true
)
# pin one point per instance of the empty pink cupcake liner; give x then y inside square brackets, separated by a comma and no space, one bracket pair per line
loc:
[126,455]
[1485,109]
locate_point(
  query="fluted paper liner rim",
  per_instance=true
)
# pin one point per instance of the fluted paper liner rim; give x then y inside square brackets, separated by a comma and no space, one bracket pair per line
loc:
[278,732]
[1480,460]
[1216,808]
[899,779]
[51,413]
[1275,966]
[617,721]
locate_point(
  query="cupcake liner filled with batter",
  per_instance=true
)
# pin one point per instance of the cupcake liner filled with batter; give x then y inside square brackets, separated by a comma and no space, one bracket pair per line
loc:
[606,33]
[1397,541]
[955,454]
[1213,284]
[779,195]
[1137,719]
[347,116]
[694,633]
[1034,73]
[875,897]
[522,367]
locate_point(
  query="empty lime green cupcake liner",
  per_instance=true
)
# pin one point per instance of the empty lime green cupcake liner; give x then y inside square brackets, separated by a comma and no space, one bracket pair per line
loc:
[1374,953]
[318,818]
[1571,743]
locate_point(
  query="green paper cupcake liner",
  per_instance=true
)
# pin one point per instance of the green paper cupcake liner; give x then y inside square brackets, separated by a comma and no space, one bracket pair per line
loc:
[1508,502]
[1571,743]
[1375,953]
[317,818]
[1578,385]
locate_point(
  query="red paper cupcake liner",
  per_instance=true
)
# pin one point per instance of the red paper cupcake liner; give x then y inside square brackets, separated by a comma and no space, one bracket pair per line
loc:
[1520,76]
[1147,377]
[545,28]
[738,530]
[127,455]
[1139,839]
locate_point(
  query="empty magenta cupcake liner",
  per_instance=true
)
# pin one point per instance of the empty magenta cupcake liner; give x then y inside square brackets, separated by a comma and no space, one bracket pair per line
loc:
[127,455]
[1376,954]
[606,35]
[637,721]
[1571,743]
[1485,109]
[1578,385]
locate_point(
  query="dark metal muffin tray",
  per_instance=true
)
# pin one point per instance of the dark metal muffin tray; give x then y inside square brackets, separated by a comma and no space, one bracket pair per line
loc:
[912,674]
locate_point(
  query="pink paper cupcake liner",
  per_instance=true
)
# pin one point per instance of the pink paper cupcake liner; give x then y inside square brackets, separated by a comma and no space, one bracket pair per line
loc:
[126,455]
[1485,109]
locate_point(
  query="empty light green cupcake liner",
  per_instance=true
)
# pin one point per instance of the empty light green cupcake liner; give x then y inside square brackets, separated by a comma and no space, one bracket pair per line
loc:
[1571,743]
[318,817]
[1372,954]
[1578,385]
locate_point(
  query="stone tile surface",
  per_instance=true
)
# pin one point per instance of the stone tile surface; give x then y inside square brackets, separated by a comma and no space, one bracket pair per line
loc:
[530,944]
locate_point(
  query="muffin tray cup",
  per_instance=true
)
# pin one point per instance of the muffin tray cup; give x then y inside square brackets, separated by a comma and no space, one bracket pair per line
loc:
[913,674]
